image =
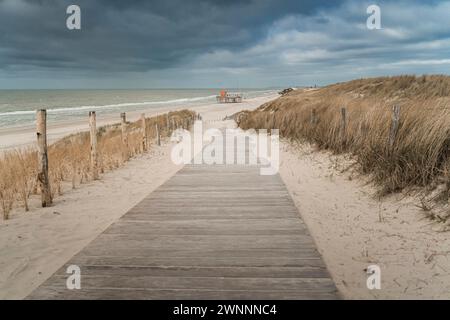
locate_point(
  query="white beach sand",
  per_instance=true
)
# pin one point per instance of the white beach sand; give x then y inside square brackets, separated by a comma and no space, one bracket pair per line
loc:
[353,229]
[35,244]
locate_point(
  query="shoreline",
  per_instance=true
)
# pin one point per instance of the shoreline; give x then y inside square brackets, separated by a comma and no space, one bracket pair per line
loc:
[19,137]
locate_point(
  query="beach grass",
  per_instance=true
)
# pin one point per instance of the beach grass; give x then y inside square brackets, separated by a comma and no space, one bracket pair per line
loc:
[69,158]
[419,155]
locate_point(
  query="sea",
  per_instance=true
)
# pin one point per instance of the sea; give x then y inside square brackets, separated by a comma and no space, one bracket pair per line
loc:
[18,107]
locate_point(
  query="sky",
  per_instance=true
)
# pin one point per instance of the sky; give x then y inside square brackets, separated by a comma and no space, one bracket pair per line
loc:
[217,43]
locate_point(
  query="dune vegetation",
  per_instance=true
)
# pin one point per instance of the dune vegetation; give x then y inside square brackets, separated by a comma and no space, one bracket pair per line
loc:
[356,117]
[69,158]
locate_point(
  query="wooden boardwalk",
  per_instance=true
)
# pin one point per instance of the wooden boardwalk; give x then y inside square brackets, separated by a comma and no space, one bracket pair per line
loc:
[210,232]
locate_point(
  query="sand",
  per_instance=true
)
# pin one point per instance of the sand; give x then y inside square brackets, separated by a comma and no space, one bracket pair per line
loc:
[35,244]
[353,229]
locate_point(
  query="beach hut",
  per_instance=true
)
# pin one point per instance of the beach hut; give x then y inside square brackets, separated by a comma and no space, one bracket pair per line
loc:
[229,97]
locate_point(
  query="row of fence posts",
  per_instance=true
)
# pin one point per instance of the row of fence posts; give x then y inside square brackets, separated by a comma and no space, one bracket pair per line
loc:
[41,131]
[395,120]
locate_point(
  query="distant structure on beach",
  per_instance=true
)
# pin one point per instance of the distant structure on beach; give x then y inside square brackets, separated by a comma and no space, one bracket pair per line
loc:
[285,91]
[228,97]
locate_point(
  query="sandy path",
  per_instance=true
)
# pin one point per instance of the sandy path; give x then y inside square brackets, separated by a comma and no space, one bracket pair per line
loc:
[354,230]
[34,245]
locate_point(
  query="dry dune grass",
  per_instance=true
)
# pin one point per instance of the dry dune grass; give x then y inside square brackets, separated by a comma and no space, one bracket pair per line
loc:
[69,158]
[419,155]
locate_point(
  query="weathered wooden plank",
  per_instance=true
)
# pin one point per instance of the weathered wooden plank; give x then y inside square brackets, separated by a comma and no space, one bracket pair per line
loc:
[219,195]
[265,262]
[162,214]
[143,243]
[204,283]
[198,271]
[269,205]
[222,188]
[209,227]
[197,208]
[198,253]
[181,294]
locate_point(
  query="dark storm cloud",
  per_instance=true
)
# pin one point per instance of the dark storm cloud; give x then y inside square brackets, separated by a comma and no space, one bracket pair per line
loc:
[132,35]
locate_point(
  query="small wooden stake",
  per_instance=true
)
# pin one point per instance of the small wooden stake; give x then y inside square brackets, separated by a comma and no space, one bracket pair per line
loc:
[343,126]
[158,137]
[144,132]
[313,117]
[93,136]
[394,126]
[123,117]
[44,182]
[168,125]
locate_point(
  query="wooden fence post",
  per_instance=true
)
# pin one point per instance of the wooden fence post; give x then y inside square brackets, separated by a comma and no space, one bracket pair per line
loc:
[44,182]
[93,136]
[343,126]
[394,126]
[168,125]
[313,117]
[144,132]
[123,117]
[158,137]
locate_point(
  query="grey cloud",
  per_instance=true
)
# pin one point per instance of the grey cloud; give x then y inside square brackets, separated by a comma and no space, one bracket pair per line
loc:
[131,34]
[185,43]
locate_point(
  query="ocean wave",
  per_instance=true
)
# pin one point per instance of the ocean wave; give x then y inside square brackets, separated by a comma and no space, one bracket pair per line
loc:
[107,106]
